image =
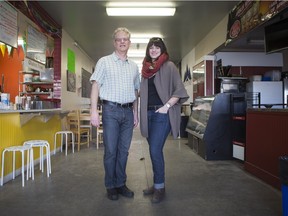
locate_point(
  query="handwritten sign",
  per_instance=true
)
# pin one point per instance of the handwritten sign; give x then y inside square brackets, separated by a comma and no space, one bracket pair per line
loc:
[8,24]
[36,45]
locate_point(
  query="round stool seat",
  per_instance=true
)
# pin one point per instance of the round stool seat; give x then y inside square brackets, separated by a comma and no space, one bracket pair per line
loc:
[64,135]
[41,144]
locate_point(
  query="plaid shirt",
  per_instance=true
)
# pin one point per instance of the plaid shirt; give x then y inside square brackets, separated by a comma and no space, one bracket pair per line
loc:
[117,79]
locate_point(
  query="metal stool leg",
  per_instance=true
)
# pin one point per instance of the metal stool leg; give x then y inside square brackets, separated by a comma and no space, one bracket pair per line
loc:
[2,170]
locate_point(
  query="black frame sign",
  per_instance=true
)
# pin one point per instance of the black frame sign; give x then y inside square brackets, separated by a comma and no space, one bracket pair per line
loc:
[86,84]
[8,24]
[247,15]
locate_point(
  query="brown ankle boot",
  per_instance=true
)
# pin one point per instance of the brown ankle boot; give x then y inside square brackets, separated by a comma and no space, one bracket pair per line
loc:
[158,195]
[148,191]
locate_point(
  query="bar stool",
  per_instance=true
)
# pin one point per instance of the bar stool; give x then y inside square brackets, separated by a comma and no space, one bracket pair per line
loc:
[41,144]
[14,149]
[64,134]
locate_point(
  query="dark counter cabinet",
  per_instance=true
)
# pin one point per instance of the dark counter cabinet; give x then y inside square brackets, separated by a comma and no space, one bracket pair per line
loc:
[266,141]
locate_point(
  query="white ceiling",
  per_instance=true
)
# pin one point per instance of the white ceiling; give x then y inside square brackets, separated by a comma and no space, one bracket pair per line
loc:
[88,24]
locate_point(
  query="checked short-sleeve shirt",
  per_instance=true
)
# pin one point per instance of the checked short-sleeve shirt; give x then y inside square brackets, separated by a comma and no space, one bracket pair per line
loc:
[117,79]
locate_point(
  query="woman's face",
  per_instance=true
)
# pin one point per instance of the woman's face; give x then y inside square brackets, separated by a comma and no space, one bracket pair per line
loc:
[154,52]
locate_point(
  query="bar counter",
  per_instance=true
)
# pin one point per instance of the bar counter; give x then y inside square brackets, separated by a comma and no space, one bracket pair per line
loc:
[17,126]
[266,141]
[4,111]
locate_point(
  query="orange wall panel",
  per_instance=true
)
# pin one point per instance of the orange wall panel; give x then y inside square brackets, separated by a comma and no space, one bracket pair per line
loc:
[10,65]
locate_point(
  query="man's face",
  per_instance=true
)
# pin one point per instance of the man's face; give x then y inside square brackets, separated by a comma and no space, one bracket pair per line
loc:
[122,42]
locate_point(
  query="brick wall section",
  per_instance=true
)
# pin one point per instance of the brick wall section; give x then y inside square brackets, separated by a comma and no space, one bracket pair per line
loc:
[57,68]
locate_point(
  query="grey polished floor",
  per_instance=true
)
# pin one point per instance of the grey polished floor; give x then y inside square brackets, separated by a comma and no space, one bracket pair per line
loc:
[194,187]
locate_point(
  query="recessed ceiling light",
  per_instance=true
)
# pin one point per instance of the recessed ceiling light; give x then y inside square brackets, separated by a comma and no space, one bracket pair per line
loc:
[143,38]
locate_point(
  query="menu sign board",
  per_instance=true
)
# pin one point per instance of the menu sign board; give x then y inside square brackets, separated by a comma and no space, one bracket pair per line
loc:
[8,24]
[250,14]
[36,45]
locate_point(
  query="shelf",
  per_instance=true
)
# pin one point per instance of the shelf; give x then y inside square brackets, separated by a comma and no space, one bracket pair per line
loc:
[37,83]
[232,78]
[30,72]
[36,93]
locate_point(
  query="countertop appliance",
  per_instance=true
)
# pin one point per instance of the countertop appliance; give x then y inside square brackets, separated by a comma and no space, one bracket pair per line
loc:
[271,93]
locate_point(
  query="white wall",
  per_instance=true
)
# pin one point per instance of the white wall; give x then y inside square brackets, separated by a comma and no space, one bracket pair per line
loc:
[250,59]
[188,61]
[72,100]
[215,38]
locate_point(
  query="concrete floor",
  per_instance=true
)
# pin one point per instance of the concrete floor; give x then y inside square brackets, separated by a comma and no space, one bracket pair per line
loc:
[194,187]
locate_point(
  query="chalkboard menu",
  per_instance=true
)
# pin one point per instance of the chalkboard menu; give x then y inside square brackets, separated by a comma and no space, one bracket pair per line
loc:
[8,24]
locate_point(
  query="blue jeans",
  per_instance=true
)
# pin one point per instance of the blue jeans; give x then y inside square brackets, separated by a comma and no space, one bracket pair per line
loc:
[158,130]
[118,124]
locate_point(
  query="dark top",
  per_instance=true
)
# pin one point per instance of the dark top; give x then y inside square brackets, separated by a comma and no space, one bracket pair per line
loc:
[153,97]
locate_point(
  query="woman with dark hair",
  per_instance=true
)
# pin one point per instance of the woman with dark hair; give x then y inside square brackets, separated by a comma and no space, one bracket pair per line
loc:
[161,95]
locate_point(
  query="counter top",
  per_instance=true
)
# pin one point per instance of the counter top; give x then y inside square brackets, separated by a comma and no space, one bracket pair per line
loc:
[58,110]
[267,110]
[26,115]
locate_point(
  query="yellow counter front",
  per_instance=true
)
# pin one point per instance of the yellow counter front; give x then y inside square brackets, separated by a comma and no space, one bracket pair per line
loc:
[19,126]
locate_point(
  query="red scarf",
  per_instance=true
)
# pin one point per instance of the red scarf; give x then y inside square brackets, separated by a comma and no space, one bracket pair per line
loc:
[150,68]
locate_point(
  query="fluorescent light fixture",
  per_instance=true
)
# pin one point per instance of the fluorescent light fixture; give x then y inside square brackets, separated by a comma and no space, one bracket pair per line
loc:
[136,53]
[140,9]
[140,4]
[139,40]
[143,38]
[199,71]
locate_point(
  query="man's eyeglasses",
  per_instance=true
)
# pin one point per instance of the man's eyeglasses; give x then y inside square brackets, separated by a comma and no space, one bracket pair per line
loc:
[121,39]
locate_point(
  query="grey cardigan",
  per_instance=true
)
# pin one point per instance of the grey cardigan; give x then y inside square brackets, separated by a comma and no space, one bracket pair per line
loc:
[168,83]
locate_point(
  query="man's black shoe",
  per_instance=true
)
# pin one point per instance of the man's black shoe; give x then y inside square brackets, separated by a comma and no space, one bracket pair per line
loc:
[112,194]
[125,191]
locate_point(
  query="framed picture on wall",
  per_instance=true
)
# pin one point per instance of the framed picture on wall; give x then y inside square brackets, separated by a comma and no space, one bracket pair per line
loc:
[85,83]
[71,81]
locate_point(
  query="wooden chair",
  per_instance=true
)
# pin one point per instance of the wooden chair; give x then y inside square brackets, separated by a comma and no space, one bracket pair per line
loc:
[85,121]
[99,136]
[74,124]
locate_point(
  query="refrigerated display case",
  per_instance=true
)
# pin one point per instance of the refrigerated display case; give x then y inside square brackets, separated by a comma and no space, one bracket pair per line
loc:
[210,126]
